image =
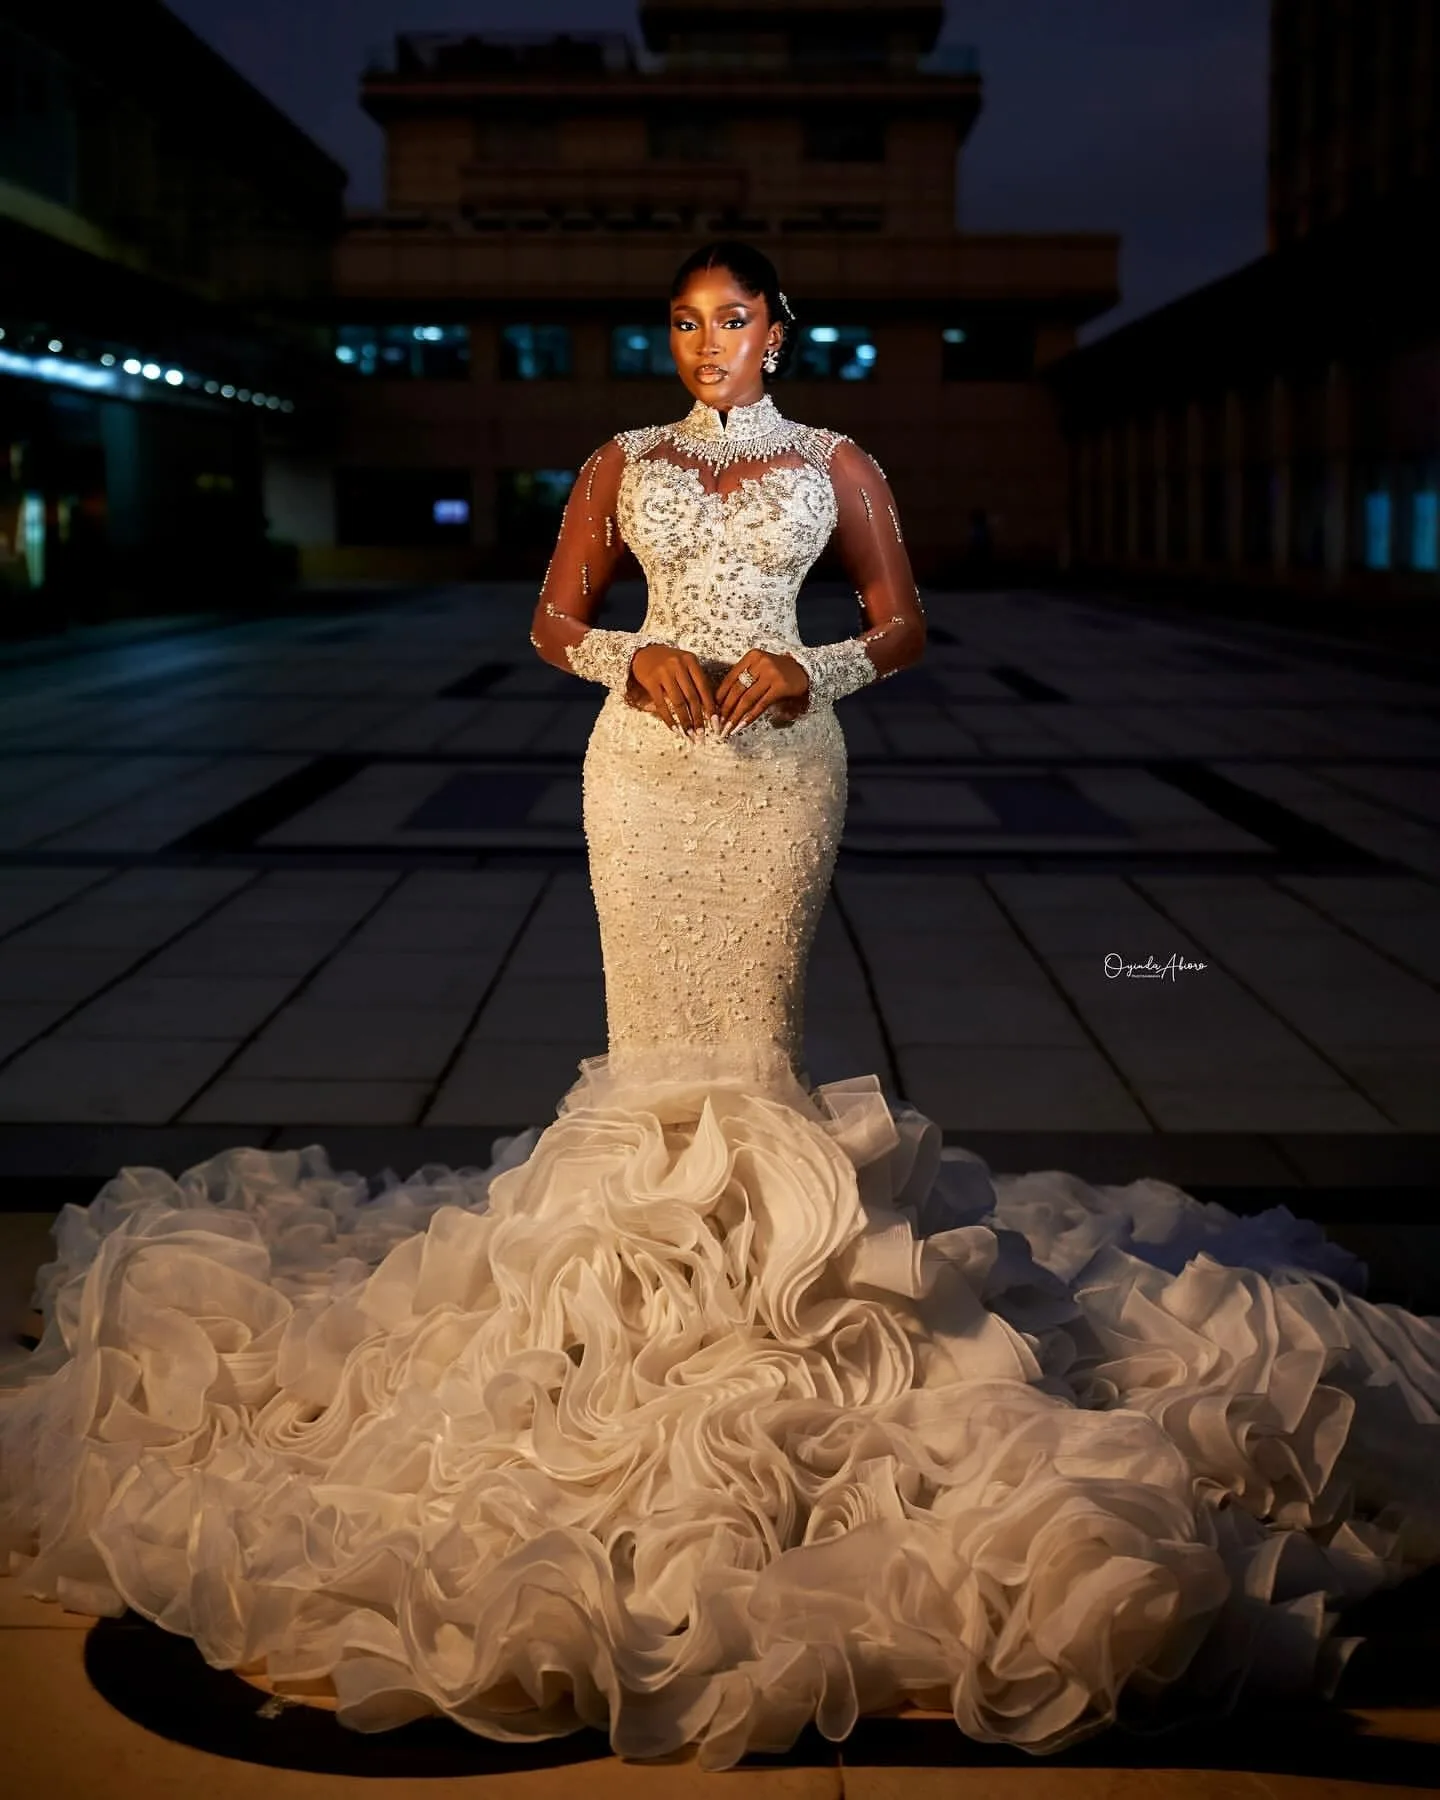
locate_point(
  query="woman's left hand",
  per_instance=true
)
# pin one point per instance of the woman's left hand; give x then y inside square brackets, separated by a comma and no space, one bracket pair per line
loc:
[779,682]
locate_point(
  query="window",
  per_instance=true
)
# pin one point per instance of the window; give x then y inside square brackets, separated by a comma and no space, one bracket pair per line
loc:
[529,505]
[834,353]
[641,350]
[1307,511]
[402,506]
[988,350]
[516,140]
[686,137]
[405,352]
[844,137]
[535,353]
[1377,529]
[1425,530]
[1257,512]
[1214,523]
[1177,516]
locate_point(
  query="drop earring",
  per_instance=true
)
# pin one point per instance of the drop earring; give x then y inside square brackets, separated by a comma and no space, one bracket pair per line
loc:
[770,362]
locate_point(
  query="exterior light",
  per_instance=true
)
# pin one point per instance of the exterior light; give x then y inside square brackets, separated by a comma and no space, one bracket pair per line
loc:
[174,378]
[55,346]
[107,361]
[131,365]
[151,371]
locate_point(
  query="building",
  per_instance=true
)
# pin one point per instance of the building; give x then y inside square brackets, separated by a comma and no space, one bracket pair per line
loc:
[1279,430]
[165,242]
[506,309]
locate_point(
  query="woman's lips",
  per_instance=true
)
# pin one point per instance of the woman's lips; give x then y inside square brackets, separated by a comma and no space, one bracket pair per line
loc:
[709,372]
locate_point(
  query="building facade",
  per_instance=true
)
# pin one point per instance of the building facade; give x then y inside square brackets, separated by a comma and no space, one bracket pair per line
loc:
[506,309]
[165,243]
[1280,428]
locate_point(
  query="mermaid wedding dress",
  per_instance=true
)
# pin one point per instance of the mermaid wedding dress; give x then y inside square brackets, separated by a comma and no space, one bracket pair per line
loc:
[724,1403]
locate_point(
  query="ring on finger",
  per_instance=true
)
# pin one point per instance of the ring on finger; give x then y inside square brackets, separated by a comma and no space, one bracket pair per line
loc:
[746,678]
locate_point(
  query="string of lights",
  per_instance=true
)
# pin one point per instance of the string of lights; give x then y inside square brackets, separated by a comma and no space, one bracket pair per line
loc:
[31,353]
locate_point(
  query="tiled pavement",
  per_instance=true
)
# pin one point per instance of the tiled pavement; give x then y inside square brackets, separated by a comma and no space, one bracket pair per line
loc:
[311,879]
[325,877]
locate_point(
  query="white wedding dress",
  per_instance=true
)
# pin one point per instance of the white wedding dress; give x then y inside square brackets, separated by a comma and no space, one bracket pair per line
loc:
[723,1403]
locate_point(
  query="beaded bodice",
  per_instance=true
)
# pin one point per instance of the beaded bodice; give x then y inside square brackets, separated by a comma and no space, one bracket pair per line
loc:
[726,513]
[725,531]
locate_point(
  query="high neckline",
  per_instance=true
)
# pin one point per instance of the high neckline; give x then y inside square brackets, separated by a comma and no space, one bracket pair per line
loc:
[743,424]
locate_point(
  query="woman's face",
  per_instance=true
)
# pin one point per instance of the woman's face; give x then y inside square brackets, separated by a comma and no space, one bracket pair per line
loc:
[718,335]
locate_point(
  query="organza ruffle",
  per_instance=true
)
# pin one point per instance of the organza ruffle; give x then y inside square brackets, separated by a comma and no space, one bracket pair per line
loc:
[718,1406]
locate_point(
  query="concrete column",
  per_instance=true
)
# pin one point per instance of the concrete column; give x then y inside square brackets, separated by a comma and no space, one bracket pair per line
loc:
[1337,473]
[1234,451]
[1084,510]
[1281,445]
[1194,479]
[1162,487]
[1131,490]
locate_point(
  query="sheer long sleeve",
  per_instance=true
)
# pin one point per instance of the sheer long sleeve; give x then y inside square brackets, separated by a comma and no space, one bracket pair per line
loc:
[587,553]
[873,551]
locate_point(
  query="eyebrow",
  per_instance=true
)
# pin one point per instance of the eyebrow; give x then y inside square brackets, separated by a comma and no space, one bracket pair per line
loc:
[726,306]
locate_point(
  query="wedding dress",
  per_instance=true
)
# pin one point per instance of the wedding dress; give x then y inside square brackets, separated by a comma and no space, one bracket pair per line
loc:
[725,1402]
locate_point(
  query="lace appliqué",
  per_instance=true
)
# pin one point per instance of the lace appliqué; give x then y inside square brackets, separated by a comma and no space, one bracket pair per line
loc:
[604,656]
[836,669]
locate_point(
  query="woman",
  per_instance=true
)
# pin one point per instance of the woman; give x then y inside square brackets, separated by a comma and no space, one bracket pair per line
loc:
[723,1404]
[715,777]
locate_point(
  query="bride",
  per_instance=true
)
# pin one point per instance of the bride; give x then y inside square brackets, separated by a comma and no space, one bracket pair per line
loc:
[725,1402]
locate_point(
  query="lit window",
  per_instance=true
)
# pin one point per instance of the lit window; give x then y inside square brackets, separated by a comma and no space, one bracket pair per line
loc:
[988,349]
[1377,530]
[530,503]
[402,506]
[641,350]
[406,352]
[834,353]
[536,352]
[1425,530]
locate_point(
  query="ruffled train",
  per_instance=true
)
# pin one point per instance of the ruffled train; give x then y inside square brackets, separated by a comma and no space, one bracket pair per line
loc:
[714,1408]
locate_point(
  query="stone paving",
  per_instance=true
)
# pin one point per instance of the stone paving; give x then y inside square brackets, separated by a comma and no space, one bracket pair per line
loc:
[290,878]
[322,879]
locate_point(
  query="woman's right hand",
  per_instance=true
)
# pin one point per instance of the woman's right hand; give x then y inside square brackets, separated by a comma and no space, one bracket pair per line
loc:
[676,685]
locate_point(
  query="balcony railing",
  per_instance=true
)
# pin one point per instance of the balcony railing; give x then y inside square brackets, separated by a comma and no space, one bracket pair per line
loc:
[483,56]
[477,55]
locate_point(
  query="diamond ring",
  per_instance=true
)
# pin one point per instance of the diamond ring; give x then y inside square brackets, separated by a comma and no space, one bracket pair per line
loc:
[745,678]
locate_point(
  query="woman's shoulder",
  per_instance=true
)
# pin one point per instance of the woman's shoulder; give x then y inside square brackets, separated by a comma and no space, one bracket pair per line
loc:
[637,441]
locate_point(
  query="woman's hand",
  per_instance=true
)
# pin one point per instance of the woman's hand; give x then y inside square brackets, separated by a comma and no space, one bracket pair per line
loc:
[676,685]
[779,682]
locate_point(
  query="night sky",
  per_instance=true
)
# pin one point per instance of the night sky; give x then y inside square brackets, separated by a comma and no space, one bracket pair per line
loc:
[1145,117]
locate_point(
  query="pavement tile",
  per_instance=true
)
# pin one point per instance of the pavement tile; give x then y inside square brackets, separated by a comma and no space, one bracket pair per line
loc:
[108,1079]
[358,1102]
[508,1083]
[180,1006]
[1005,1088]
[354,1043]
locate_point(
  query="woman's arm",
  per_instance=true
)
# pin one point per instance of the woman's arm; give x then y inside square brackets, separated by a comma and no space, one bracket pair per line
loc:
[874,554]
[587,553]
